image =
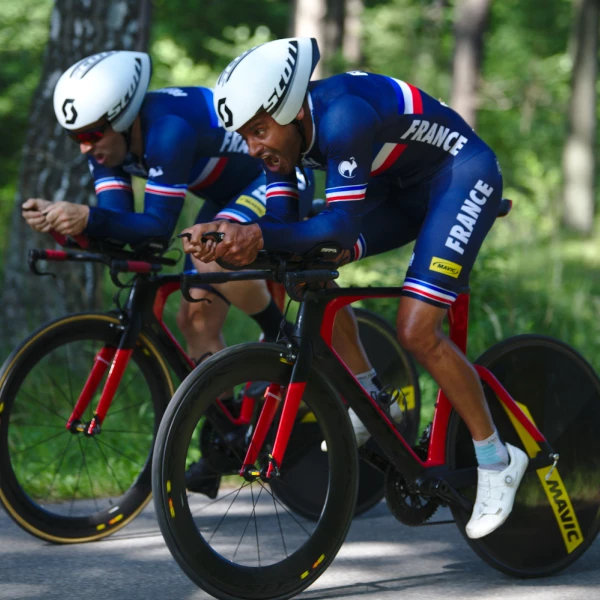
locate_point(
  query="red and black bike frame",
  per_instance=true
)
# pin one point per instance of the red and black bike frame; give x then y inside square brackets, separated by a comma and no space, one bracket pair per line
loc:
[142,313]
[314,349]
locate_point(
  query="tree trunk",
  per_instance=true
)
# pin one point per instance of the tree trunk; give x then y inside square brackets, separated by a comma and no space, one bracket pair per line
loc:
[53,169]
[470,22]
[308,21]
[352,32]
[579,157]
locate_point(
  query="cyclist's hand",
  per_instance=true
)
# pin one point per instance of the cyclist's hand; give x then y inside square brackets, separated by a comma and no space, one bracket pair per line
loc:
[67,218]
[32,213]
[239,247]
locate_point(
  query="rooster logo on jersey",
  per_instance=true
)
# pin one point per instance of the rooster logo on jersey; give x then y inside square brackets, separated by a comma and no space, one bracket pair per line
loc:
[346,168]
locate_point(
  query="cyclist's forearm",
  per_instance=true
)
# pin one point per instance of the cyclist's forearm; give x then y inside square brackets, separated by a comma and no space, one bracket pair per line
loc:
[335,226]
[131,227]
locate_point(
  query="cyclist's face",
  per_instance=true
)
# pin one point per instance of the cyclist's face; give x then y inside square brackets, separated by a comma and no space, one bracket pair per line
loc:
[277,145]
[110,150]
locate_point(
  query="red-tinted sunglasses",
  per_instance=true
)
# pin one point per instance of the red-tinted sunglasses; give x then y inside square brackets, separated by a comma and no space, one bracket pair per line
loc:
[91,136]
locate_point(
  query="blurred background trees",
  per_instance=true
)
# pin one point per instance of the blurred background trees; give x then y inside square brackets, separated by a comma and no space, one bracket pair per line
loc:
[524,74]
[51,165]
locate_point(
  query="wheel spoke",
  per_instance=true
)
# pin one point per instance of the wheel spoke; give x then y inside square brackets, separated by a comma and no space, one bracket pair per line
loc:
[58,469]
[37,444]
[107,463]
[291,514]
[237,493]
[279,525]
[38,403]
[133,461]
[88,475]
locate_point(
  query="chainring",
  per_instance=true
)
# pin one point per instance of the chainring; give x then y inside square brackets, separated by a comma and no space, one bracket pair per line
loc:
[223,444]
[406,505]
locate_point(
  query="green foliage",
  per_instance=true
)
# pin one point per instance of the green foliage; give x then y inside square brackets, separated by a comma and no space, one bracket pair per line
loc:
[191,44]
[529,277]
[23,37]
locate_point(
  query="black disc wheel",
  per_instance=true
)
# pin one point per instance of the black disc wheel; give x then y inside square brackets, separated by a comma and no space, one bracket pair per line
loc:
[62,485]
[246,543]
[304,488]
[554,520]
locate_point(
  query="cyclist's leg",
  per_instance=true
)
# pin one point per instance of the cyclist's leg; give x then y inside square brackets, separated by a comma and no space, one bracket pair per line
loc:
[253,297]
[201,322]
[384,228]
[463,205]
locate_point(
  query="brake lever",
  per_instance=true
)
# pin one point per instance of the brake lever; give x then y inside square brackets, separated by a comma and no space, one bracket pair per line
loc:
[32,261]
[185,292]
[33,268]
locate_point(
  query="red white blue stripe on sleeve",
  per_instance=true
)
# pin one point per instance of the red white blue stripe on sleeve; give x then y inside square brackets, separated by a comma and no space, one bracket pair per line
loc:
[233,215]
[432,294]
[110,184]
[360,248]
[409,103]
[346,193]
[282,188]
[170,191]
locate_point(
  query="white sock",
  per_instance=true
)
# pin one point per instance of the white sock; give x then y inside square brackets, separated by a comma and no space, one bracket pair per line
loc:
[366,380]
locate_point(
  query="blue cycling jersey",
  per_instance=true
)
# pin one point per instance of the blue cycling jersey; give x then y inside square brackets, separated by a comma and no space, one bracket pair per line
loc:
[184,149]
[400,166]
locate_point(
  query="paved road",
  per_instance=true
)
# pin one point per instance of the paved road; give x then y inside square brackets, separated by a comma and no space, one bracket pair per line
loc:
[381,559]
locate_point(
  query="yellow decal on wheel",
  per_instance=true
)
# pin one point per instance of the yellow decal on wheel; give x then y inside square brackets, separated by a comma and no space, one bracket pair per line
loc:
[319,561]
[408,402]
[554,487]
[115,520]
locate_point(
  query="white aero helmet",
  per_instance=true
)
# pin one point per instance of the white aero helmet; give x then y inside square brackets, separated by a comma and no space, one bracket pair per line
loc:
[272,77]
[108,87]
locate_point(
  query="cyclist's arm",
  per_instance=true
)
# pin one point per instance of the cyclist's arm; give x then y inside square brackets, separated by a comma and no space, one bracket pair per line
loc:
[341,221]
[170,145]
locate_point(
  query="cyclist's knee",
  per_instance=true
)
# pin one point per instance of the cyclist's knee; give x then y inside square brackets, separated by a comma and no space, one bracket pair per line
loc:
[202,318]
[420,339]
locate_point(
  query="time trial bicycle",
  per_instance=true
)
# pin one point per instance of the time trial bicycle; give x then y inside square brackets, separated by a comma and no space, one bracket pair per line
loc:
[82,397]
[543,395]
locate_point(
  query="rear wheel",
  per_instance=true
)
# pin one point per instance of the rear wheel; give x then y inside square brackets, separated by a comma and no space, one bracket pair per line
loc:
[65,486]
[246,543]
[553,522]
[302,489]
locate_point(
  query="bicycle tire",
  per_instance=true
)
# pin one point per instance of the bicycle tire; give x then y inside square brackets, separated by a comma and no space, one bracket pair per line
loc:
[304,493]
[66,488]
[207,561]
[555,521]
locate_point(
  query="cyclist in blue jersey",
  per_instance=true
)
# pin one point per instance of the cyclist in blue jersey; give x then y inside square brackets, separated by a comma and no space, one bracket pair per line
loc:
[172,138]
[400,166]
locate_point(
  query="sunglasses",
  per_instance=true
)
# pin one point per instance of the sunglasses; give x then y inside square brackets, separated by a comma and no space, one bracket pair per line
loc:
[90,136]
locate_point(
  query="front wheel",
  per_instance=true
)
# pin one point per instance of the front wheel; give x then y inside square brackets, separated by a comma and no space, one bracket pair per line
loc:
[246,543]
[62,485]
[553,521]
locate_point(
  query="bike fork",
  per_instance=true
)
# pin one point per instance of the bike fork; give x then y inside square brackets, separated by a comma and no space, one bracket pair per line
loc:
[302,361]
[115,358]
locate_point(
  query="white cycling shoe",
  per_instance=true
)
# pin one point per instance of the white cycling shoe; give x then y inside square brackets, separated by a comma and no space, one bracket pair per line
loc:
[496,492]
[360,431]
